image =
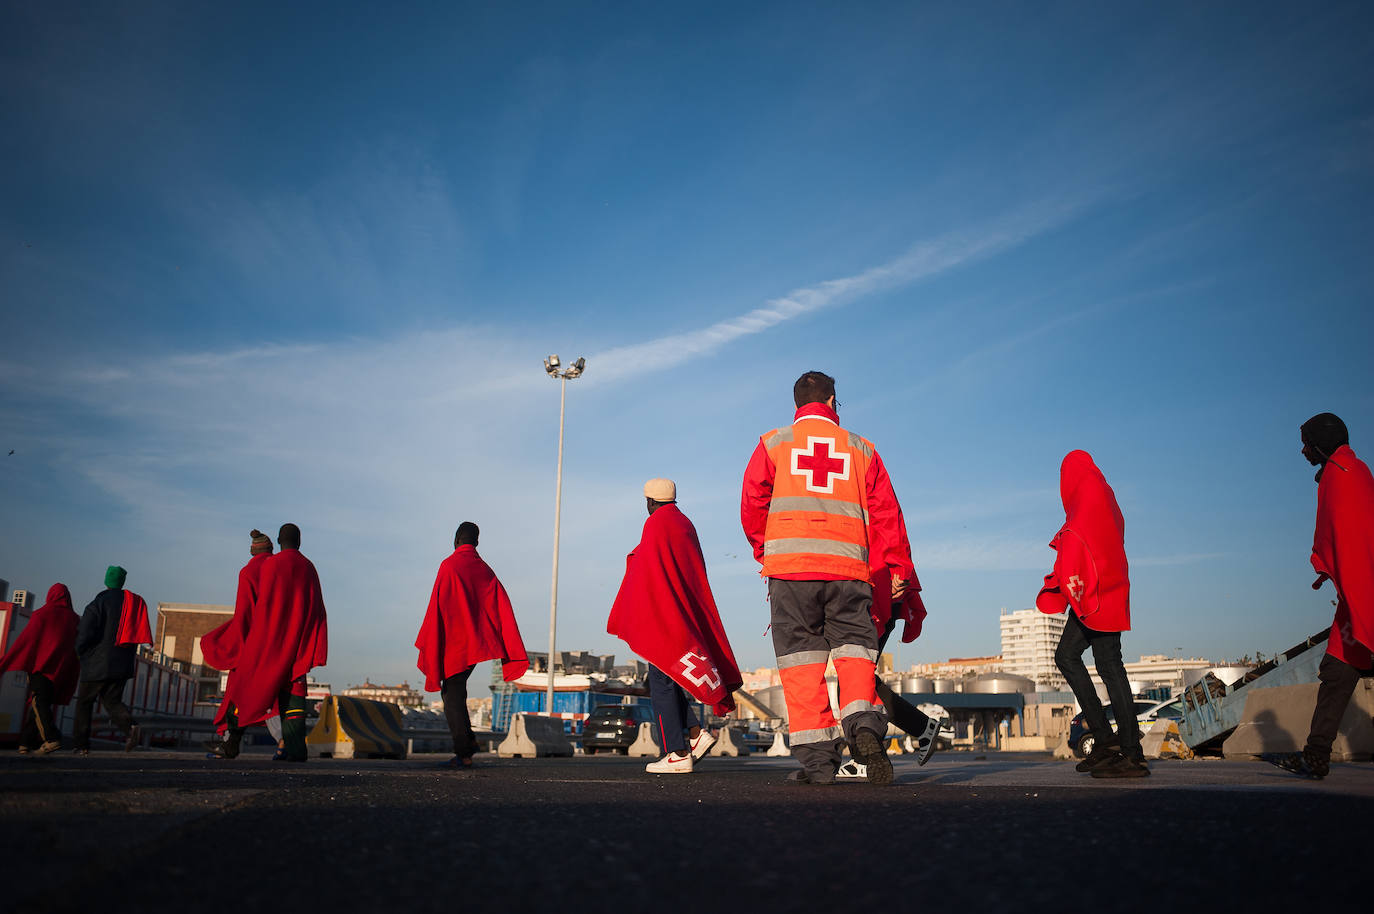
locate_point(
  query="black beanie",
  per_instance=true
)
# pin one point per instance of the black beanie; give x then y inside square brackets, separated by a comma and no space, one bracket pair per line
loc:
[1325,432]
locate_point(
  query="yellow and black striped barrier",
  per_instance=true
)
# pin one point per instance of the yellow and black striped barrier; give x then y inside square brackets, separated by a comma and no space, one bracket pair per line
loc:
[357,728]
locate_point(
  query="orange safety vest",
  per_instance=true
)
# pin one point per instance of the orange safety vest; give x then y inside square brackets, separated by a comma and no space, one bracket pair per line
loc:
[818,516]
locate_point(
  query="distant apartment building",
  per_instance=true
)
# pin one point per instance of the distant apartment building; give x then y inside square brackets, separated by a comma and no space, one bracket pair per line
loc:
[402,695]
[1029,638]
[180,627]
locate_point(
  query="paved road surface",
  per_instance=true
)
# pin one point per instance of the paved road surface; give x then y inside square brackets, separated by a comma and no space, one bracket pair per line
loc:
[164,831]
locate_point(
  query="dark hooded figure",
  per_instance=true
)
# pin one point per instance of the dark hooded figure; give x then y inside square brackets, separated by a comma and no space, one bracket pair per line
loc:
[1342,552]
[107,662]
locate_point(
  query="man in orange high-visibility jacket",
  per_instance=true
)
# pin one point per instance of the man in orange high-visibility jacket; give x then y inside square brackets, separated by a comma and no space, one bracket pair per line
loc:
[816,505]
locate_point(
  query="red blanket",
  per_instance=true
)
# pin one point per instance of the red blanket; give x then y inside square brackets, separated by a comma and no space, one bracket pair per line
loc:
[1090,572]
[1343,550]
[221,646]
[469,621]
[666,614]
[286,638]
[47,645]
[133,621]
[910,610]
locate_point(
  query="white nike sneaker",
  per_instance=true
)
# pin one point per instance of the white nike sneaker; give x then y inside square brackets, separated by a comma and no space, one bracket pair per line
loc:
[672,763]
[925,743]
[702,744]
[851,770]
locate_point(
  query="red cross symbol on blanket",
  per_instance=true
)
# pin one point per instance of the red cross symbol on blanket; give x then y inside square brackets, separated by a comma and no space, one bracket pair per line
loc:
[1076,587]
[820,464]
[709,677]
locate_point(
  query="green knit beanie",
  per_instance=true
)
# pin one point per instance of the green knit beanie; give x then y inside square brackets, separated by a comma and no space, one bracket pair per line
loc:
[114,577]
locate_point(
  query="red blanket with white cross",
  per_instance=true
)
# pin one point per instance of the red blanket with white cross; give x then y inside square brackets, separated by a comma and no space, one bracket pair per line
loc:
[1090,571]
[666,614]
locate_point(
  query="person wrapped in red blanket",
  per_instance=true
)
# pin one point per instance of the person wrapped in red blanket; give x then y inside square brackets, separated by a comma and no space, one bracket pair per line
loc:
[111,628]
[666,613]
[221,646]
[1091,579]
[1343,553]
[287,636]
[46,650]
[469,621]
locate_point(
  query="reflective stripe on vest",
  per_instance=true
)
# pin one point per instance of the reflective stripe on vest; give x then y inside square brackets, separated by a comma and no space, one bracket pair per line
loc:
[818,514]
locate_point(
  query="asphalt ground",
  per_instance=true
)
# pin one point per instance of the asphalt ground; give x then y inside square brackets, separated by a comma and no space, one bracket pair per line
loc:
[152,831]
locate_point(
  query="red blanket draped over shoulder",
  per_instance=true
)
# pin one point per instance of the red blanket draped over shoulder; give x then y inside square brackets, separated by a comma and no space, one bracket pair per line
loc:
[1343,550]
[469,621]
[1090,571]
[133,621]
[47,645]
[286,638]
[910,610]
[666,614]
[221,646]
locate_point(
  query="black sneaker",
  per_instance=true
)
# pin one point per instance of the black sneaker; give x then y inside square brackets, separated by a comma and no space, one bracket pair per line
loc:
[869,751]
[800,776]
[1300,763]
[1099,755]
[1119,766]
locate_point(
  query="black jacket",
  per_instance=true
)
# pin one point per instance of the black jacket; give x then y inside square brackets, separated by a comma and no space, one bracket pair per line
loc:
[101,658]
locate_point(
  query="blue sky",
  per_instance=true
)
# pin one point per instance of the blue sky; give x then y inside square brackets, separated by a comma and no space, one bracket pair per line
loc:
[263,264]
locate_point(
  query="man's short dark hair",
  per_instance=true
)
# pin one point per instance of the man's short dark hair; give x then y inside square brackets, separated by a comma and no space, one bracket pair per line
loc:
[813,387]
[289,536]
[466,534]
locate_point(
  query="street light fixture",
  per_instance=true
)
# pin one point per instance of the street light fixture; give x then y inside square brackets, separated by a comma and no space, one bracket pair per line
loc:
[572,372]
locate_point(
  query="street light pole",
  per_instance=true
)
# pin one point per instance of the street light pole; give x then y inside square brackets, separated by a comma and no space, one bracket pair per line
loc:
[551,367]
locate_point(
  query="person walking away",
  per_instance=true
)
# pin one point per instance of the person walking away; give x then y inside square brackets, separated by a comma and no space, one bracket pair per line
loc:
[818,508]
[469,620]
[666,613]
[1342,553]
[1092,581]
[46,651]
[112,627]
[221,646]
[287,637]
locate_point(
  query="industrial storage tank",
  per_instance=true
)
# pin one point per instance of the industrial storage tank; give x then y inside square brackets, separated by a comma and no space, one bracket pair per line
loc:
[945,685]
[918,685]
[999,683]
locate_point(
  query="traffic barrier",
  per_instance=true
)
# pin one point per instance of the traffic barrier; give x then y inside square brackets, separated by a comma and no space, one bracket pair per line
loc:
[730,742]
[535,736]
[1278,719]
[645,744]
[357,728]
[779,747]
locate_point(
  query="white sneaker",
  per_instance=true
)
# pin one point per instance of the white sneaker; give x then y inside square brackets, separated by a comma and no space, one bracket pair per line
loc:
[702,744]
[925,744]
[672,763]
[851,770]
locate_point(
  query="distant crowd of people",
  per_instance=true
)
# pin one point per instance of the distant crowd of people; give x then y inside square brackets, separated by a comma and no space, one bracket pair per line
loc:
[826,527]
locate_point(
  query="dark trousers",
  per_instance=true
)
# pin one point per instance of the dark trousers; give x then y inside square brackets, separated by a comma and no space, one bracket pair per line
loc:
[292,710]
[1068,656]
[110,694]
[40,726]
[905,715]
[455,693]
[672,711]
[1338,680]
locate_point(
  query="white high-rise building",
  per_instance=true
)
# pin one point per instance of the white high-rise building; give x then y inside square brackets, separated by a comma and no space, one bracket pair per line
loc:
[1029,638]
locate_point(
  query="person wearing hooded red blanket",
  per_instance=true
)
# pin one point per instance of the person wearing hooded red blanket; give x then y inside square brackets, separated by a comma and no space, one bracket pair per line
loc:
[287,636]
[107,637]
[221,646]
[1091,579]
[469,621]
[1343,553]
[46,650]
[665,612]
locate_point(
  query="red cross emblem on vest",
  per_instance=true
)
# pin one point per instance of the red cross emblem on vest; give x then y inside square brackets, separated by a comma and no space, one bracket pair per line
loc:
[820,464]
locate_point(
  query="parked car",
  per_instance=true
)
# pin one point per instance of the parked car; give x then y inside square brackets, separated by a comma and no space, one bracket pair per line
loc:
[1081,739]
[612,728]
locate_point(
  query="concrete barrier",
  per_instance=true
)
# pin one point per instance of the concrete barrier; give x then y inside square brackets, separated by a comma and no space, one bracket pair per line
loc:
[1063,750]
[357,728]
[534,736]
[1027,744]
[645,744]
[1278,720]
[779,747]
[730,743]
